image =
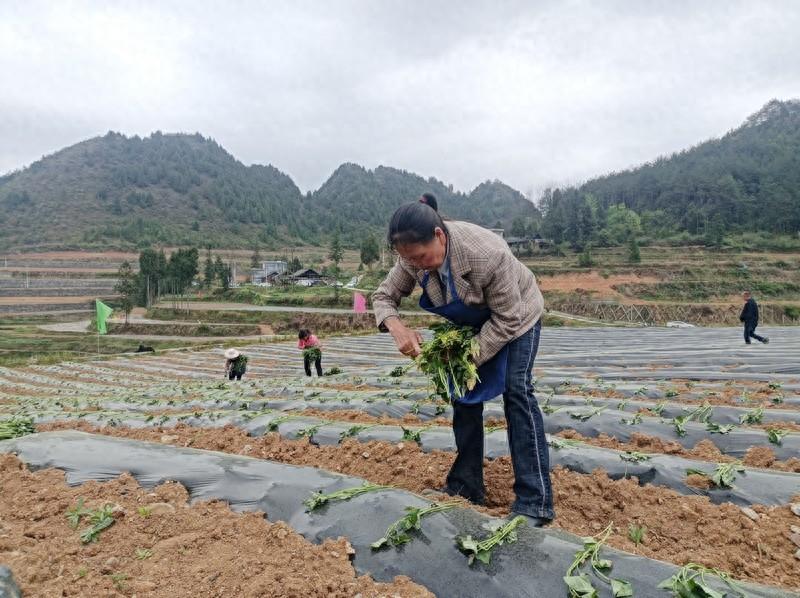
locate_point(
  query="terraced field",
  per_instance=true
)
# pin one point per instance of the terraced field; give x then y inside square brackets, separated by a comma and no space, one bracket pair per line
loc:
[672,446]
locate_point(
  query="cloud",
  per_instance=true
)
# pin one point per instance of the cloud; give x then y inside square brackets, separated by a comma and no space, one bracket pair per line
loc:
[528,93]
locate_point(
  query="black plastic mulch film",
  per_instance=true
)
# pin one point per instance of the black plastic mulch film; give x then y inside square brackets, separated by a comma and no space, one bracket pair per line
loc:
[532,566]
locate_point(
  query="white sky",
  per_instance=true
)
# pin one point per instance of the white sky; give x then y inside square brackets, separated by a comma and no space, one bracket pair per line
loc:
[531,93]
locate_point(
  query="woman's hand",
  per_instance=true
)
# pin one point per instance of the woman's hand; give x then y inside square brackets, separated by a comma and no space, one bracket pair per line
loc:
[408,341]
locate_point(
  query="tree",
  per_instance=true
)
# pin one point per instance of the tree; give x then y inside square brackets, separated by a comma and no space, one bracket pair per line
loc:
[128,288]
[715,231]
[152,271]
[621,224]
[336,253]
[518,227]
[223,273]
[208,271]
[255,259]
[295,264]
[633,251]
[370,251]
[182,268]
[585,258]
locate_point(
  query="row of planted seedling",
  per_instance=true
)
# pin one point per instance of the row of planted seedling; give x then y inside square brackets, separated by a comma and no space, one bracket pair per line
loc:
[759,486]
[690,580]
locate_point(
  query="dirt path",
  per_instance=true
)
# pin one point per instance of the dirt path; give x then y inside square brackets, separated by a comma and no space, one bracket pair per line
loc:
[82,326]
[227,306]
[160,546]
[46,300]
[759,551]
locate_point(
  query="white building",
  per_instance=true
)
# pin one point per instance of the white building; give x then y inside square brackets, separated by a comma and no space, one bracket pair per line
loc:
[267,272]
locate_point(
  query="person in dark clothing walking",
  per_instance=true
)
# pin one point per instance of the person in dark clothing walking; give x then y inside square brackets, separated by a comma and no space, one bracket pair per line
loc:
[749,316]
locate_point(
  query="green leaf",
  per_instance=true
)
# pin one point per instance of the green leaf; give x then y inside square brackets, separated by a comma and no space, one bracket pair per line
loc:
[580,586]
[775,435]
[715,428]
[621,588]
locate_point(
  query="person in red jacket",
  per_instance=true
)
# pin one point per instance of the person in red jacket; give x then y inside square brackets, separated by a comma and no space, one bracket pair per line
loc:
[312,351]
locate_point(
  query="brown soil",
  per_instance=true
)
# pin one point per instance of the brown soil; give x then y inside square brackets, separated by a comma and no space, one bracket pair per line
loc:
[44,300]
[492,422]
[757,551]
[200,550]
[354,415]
[695,480]
[729,398]
[764,457]
[592,282]
[58,270]
[77,256]
[705,450]
[781,425]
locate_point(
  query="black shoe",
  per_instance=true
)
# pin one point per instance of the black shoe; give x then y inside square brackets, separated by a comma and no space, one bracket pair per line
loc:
[765,341]
[531,520]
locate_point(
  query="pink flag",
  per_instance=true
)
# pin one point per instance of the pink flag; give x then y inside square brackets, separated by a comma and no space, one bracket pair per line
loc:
[359,303]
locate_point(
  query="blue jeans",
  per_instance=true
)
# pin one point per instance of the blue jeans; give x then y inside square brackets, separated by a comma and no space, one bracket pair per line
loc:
[526,440]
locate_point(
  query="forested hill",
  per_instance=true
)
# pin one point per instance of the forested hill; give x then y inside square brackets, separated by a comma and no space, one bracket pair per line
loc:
[745,181]
[354,197]
[187,190]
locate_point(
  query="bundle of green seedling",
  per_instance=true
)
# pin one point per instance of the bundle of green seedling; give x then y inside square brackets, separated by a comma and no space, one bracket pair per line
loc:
[580,585]
[312,353]
[399,532]
[481,550]
[15,427]
[448,359]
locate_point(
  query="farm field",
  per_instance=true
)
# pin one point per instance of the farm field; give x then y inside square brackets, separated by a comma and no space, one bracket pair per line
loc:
[674,446]
[696,284]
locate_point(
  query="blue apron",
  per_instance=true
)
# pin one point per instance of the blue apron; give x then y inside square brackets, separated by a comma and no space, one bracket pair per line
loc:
[492,374]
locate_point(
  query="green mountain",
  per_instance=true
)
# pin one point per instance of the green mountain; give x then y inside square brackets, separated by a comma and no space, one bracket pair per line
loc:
[746,181]
[177,189]
[354,197]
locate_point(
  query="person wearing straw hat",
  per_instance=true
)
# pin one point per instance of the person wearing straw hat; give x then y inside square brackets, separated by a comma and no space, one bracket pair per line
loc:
[235,364]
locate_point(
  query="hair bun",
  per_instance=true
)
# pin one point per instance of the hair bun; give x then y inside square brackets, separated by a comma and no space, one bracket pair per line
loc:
[429,199]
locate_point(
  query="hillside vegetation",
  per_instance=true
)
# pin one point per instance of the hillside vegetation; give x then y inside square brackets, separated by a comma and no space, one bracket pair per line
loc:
[745,183]
[115,191]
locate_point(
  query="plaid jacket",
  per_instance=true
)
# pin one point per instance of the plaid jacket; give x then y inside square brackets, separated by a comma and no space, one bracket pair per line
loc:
[485,274]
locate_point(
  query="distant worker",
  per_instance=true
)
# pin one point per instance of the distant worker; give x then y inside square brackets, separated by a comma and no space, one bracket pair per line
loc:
[312,350]
[235,364]
[749,316]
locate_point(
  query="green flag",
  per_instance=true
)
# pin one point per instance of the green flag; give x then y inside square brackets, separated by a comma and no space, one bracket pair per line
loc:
[103,311]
